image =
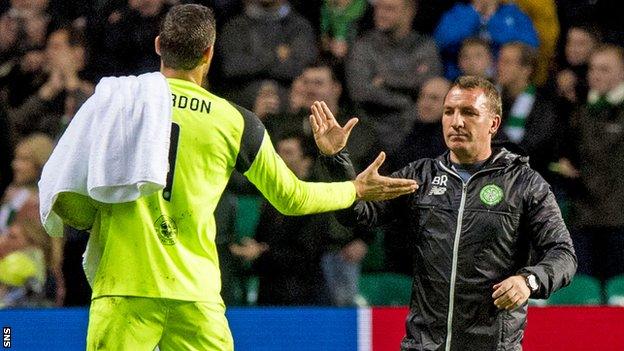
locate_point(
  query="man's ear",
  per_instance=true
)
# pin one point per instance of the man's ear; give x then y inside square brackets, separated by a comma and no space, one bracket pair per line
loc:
[207,56]
[496,122]
[157,45]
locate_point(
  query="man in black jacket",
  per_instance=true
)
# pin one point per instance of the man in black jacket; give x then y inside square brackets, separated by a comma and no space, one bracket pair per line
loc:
[475,218]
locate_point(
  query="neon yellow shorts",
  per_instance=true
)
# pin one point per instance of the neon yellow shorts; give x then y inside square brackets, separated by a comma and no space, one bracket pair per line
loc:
[142,323]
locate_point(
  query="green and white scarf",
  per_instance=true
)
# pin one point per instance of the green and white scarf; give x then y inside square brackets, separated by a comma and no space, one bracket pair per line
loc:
[522,106]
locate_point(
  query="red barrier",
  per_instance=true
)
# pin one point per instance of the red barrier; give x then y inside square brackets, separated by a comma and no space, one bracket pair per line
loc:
[548,329]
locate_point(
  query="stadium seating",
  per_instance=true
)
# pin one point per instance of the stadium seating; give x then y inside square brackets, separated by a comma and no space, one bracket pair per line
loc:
[584,290]
[386,289]
[615,291]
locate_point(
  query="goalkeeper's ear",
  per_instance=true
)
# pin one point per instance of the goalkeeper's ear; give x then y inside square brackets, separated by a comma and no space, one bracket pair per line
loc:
[157,45]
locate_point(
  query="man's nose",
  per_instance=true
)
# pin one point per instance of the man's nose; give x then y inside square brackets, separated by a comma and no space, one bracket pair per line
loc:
[457,121]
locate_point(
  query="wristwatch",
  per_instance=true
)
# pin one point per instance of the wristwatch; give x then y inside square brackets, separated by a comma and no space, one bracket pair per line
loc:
[531,282]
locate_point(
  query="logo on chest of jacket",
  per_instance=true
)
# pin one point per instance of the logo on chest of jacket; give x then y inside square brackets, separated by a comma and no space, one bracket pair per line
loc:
[167,230]
[491,194]
[439,185]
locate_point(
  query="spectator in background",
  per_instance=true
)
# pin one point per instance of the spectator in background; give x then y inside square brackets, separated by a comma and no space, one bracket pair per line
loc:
[543,13]
[571,80]
[475,58]
[24,253]
[54,104]
[492,20]
[571,87]
[599,125]
[22,40]
[530,118]
[21,200]
[286,250]
[387,66]
[339,25]
[268,41]
[128,38]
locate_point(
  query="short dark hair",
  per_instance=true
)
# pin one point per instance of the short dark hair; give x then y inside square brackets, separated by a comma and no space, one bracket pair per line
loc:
[495,105]
[307,144]
[185,34]
[323,63]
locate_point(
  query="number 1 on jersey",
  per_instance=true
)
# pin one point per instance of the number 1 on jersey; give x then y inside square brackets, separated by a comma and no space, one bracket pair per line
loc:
[173,154]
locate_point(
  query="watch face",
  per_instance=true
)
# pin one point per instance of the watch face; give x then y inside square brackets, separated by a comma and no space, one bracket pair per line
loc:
[532,282]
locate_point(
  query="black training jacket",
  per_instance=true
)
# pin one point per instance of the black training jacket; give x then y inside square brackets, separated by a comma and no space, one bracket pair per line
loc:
[464,238]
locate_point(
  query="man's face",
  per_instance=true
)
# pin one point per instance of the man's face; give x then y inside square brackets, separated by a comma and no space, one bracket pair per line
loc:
[389,15]
[467,123]
[24,169]
[319,86]
[579,46]
[58,43]
[606,71]
[431,100]
[475,60]
[509,68]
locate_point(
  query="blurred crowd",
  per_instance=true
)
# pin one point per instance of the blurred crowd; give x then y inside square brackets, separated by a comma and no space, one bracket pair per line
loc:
[559,66]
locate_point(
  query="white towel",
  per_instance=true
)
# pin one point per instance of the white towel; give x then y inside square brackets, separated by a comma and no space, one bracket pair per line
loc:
[115,148]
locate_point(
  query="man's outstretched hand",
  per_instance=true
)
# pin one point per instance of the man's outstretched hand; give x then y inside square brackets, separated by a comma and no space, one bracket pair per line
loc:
[329,136]
[371,186]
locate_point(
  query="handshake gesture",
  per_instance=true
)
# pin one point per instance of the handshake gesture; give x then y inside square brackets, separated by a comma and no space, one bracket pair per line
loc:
[330,138]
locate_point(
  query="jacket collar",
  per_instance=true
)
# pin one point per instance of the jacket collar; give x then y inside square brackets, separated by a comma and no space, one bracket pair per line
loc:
[501,157]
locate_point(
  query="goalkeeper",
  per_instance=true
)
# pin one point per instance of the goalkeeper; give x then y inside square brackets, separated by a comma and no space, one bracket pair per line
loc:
[157,282]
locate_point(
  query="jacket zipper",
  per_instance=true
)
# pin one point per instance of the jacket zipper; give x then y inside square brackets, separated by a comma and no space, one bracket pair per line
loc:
[460,214]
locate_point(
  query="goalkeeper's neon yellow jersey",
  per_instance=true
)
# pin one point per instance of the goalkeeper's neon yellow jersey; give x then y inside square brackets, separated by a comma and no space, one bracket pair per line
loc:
[163,245]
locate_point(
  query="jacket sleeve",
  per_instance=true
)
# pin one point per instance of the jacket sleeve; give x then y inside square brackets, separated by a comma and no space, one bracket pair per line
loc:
[363,214]
[555,264]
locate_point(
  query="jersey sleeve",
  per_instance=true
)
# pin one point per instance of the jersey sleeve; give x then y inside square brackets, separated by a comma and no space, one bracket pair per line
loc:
[260,163]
